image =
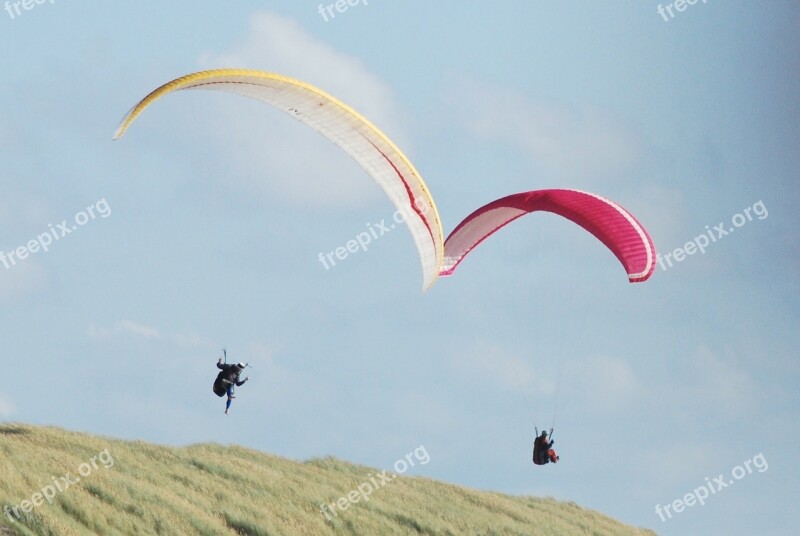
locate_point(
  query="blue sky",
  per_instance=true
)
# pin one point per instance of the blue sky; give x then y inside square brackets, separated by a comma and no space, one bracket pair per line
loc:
[219,208]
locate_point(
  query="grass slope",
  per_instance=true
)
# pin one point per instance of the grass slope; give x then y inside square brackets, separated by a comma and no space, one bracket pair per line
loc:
[214,490]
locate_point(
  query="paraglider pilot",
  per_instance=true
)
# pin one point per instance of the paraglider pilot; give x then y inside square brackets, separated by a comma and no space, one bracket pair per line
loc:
[543,452]
[227,379]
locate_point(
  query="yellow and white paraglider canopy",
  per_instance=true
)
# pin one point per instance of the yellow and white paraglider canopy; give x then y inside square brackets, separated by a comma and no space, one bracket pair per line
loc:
[341,124]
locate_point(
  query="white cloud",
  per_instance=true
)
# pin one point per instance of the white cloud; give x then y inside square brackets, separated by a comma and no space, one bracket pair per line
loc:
[495,364]
[721,385]
[707,388]
[262,352]
[423,410]
[189,339]
[24,277]
[6,408]
[602,383]
[138,329]
[97,333]
[675,462]
[281,384]
[123,327]
[568,142]
[284,159]
[20,210]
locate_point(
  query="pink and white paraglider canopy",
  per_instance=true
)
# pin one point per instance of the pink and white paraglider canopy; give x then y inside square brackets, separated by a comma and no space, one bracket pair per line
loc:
[610,223]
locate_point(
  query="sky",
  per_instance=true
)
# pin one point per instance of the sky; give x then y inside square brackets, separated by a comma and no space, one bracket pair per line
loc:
[202,229]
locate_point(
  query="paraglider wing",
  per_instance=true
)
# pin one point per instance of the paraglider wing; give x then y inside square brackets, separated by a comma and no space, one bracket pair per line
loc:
[610,223]
[373,151]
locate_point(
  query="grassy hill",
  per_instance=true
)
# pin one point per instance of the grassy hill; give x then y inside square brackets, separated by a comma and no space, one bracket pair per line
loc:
[75,483]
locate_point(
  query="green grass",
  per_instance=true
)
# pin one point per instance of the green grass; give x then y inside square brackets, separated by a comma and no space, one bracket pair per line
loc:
[214,490]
